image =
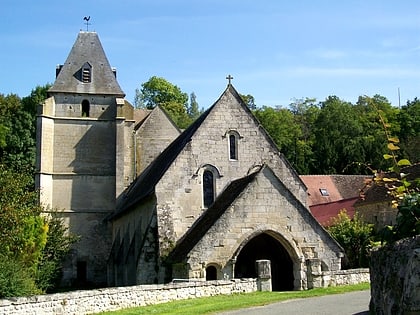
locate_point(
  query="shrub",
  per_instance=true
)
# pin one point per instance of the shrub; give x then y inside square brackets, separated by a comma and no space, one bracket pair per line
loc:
[355,236]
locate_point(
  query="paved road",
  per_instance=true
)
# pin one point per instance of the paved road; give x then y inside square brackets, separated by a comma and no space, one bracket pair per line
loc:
[353,303]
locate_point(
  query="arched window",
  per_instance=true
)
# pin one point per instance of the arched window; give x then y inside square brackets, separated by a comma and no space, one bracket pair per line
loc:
[211,273]
[232,139]
[208,188]
[233,154]
[85,108]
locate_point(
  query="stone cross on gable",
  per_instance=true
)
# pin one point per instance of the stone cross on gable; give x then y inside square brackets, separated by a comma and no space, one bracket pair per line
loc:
[229,78]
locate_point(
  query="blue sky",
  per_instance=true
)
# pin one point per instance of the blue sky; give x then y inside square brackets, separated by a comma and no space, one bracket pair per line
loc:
[276,50]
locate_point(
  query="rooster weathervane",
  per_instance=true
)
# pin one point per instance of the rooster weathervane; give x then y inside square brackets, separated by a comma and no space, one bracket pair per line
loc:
[87,18]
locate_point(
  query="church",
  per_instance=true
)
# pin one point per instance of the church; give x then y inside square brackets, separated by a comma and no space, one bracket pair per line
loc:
[154,204]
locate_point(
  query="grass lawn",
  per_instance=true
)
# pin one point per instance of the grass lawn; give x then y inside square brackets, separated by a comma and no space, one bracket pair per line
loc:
[222,303]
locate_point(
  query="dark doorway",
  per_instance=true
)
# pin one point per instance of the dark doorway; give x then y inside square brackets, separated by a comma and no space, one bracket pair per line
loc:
[211,273]
[264,246]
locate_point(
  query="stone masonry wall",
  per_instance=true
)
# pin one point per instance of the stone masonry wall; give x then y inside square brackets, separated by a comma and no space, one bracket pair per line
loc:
[109,299]
[395,278]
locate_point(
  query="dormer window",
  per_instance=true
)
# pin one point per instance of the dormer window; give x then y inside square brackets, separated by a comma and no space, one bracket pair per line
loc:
[86,73]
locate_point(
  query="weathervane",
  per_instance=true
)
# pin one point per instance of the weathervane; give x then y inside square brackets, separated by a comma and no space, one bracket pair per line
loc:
[229,78]
[87,18]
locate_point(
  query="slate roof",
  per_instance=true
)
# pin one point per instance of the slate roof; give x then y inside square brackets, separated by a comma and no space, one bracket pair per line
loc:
[87,49]
[209,217]
[144,185]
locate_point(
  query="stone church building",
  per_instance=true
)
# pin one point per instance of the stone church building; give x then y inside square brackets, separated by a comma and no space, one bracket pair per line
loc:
[152,204]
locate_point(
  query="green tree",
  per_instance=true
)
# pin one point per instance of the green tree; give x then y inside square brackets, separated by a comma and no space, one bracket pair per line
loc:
[372,139]
[305,113]
[337,137]
[249,100]
[193,110]
[58,245]
[280,125]
[23,232]
[355,236]
[409,134]
[18,128]
[158,91]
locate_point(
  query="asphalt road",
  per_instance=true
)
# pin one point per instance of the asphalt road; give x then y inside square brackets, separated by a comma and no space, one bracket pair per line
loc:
[352,303]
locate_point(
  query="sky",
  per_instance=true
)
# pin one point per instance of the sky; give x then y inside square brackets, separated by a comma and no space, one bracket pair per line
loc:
[277,51]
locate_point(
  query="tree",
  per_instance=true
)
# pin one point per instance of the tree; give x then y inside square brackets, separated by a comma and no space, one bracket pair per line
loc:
[337,138]
[280,125]
[158,91]
[305,112]
[193,110]
[18,128]
[409,133]
[249,101]
[355,236]
[23,232]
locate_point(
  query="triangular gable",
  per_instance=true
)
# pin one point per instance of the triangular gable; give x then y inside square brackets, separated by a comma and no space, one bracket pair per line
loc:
[210,216]
[87,50]
[221,204]
[145,184]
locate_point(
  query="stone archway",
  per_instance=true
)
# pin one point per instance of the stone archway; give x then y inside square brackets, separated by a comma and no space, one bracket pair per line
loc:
[264,246]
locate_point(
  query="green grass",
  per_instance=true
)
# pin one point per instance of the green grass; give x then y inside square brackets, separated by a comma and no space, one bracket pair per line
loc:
[222,303]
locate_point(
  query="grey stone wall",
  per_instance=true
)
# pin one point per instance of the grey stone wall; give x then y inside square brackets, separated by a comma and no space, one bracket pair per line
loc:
[110,299]
[395,278]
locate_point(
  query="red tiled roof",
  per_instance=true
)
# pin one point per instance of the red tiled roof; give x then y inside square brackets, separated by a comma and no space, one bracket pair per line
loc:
[339,187]
[325,212]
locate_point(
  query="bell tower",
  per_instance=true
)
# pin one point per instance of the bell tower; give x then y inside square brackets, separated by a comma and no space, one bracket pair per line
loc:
[82,162]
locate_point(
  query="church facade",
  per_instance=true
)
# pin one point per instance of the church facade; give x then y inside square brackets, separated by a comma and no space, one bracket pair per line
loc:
[152,204]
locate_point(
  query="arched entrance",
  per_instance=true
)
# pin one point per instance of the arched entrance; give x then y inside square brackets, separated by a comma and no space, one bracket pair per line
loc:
[265,246]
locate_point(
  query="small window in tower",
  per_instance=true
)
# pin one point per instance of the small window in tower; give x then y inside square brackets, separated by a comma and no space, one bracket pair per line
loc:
[87,73]
[85,108]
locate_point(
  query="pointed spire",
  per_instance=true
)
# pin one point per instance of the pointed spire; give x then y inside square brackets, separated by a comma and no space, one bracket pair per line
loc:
[96,78]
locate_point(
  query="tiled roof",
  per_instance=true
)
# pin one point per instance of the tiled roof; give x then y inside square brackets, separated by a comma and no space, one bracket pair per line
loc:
[325,212]
[335,187]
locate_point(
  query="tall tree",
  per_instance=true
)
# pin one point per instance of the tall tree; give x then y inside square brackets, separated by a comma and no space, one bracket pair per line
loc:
[409,134]
[337,135]
[18,128]
[193,110]
[158,91]
[280,125]
[249,100]
[369,110]
[305,113]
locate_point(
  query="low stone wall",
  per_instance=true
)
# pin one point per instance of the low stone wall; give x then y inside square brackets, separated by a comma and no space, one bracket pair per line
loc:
[110,299]
[395,278]
[318,278]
